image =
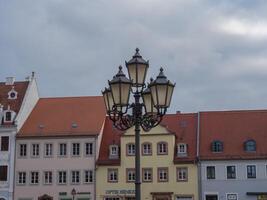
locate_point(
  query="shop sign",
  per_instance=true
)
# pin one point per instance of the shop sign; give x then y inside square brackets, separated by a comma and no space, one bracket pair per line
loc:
[120,192]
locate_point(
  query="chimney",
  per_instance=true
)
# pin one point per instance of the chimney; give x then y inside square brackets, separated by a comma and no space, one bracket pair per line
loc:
[10,80]
[178,112]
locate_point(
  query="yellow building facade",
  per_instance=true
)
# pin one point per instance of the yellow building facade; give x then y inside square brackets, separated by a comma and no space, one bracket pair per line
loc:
[161,176]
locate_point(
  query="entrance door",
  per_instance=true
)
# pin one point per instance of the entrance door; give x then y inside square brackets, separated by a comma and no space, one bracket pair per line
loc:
[45,197]
[211,197]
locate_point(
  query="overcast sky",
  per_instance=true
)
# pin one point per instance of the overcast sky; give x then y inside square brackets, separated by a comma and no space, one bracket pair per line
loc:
[215,51]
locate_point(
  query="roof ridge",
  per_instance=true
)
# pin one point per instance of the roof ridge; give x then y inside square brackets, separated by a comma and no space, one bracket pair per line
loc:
[234,111]
[68,97]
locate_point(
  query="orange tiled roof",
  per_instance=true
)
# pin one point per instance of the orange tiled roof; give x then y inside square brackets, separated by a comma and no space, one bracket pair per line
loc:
[65,116]
[233,128]
[183,125]
[15,104]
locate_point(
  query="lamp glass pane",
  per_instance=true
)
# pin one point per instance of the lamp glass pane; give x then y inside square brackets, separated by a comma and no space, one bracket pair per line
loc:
[110,100]
[154,95]
[132,72]
[115,89]
[141,70]
[169,95]
[162,92]
[105,96]
[125,92]
[147,98]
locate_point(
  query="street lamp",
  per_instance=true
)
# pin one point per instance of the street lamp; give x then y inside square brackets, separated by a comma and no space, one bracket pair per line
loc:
[156,98]
[73,193]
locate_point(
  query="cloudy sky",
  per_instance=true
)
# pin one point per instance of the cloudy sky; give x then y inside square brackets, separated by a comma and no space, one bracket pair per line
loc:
[215,51]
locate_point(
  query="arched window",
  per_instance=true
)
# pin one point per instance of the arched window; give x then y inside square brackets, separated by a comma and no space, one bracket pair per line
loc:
[130,149]
[162,148]
[217,146]
[146,148]
[181,150]
[250,145]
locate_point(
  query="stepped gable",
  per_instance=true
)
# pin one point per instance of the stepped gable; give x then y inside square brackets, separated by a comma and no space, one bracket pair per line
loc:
[65,116]
[233,128]
[20,87]
[111,136]
[184,125]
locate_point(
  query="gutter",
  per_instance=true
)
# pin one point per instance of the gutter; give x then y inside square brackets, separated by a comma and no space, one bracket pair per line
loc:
[198,158]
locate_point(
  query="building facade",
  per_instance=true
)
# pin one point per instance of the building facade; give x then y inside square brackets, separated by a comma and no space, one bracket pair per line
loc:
[168,155]
[17,99]
[233,155]
[57,148]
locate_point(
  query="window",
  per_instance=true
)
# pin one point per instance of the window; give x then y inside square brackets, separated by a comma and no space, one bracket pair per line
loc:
[217,146]
[210,172]
[231,174]
[250,146]
[181,150]
[3,173]
[35,150]
[21,178]
[62,177]
[113,151]
[89,149]
[34,177]
[4,143]
[182,173]
[231,196]
[23,150]
[48,177]
[112,175]
[8,116]
[75,177]
[162,174]
[62,149]
[75,149]
[88,176]
[111,198]
[162,148]
[48,150]
[130,174]
[251,171]
[147,175]
[130,149]
[147,149]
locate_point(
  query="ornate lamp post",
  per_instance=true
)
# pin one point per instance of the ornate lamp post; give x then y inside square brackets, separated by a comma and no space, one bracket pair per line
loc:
[156,98]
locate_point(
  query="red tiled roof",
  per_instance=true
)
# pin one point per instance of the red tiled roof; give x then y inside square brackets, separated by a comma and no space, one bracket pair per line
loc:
[110,136]
[65,116]
[233,128]
[184,125]
[14,104]
[185,133]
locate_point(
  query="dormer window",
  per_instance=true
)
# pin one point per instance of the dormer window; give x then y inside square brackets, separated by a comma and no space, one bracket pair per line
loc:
[182,150]
[113,151]
[9,116]
[12,94]
[250,146]
[217,146]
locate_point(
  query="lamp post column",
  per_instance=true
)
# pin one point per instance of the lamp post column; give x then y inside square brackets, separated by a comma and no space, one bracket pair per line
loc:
[137,116]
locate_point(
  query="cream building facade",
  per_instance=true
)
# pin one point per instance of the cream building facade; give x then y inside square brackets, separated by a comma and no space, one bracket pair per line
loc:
[168,169]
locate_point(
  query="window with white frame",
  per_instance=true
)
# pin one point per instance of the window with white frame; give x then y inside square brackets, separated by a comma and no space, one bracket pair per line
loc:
[89,149]
[48,177]
[182,173]
[22,150]
[4,143]
[48,150]
[75,149]
[147,175]
[130,173]
[112,175]
[130,149]
[34,177]
[88,176]
[251,171]
[162,148]
[3,172]
[147,148]
[182,150]
[35,150]
[231,172]
[113,151]
[62,177]
[21,180]
[163,174]
[8,116]
[75,177]
[210,172]
[231,196]
[62,149]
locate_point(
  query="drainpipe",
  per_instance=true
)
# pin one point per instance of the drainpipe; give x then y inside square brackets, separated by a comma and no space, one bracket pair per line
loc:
[198,158]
